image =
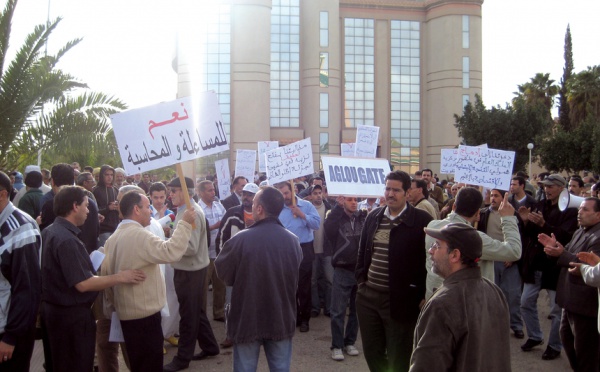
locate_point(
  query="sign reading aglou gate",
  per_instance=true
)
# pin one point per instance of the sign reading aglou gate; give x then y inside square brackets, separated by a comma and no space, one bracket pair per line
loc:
[169,132]
[289,162]
[355,176]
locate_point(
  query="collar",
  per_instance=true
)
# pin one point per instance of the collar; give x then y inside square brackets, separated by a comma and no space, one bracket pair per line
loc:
[67,225]
[388,215]
[463,274]
[127,221]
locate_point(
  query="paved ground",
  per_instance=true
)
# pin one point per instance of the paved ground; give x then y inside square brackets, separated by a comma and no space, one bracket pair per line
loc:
[311,352]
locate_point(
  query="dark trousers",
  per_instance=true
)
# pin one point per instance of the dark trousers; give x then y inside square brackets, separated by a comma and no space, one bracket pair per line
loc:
[144,340]
[71,337]
[303,293]
[194,325]
[387,342]
[580,339]
[22,353]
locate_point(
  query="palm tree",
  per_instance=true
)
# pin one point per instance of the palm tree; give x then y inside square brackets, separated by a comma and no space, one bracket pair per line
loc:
[38,108]
[539,90]
[584,95]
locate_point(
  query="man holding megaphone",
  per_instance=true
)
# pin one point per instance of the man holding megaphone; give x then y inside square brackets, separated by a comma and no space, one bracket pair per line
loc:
[540,271]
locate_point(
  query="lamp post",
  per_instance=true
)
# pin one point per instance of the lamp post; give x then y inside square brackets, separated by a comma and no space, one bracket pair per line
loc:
[530,147]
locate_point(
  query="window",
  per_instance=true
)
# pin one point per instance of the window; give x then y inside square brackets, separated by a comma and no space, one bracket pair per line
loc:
[323,143]
[405,95]
[465,100]
[324,29]
[285,63]
[465,72]
[324,110]
[465,32]
[324,70]
[359,67]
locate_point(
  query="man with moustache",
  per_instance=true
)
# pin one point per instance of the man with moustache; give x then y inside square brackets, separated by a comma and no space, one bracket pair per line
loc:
[578,301]
[539,271]
[464,326]
[390,272]
[301,218]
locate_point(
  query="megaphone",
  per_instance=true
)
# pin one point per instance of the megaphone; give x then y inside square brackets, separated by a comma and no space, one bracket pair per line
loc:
[566,200]
[166,220]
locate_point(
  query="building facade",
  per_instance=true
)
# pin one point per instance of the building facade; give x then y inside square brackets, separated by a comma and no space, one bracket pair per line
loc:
[285,70]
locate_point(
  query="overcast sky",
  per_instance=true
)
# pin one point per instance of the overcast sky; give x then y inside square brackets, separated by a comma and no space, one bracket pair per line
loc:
[127,51]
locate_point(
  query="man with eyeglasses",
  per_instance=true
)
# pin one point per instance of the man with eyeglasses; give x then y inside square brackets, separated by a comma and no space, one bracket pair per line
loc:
[189,276]
[390,272]
[20,282]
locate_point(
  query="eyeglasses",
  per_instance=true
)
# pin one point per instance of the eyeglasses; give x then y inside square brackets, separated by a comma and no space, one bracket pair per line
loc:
[174,191]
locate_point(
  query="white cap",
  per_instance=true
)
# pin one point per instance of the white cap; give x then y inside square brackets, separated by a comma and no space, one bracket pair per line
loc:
[31,168]
[250,187]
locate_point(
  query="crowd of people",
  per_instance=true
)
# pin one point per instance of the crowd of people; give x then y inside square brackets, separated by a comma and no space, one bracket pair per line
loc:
[434,275]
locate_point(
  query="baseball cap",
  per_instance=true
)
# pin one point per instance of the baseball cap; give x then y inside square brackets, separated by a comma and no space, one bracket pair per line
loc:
[250,187]
[554,179]
[461,236]
[176,182]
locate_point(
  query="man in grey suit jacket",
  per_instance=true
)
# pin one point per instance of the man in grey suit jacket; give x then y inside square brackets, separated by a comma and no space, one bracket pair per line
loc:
[579,302]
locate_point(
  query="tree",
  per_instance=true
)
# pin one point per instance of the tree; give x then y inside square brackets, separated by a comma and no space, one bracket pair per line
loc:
[572,151]
[584,95]
[37,100]
[510,128]
[563,108]
[540,90]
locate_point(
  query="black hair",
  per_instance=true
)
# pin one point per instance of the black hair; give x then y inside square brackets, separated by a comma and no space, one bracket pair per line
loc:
[271,199]
[423,186]
[519,179]
[62,174]
[401,176]
[33,179]
[66,197]
[157,186]
[128,201]
[5,183]
[468,201]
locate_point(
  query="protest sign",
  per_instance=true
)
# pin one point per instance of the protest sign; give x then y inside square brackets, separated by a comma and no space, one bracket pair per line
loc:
[223,178]
[448,161]
[355,176]
[485,167]
[366,141]
[169,132]
[289,162]
[264,146]
[347,150]
[245,164]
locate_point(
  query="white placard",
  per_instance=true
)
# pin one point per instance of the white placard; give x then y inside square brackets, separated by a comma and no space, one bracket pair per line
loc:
[264,146]
[223,178]
[485,167]
[448,161]
[366,141]
[116,333]
[245,164]
[169,132]
[355,176]
[96,257]
[347,150]
[289,162]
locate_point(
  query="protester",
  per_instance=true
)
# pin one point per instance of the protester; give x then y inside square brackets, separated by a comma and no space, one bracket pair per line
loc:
[391,282]
[343,227]
[578,301]
[138,307]
[301,218]
[20,282]
[194,325]
[69,285]
[261,264]
[464,326]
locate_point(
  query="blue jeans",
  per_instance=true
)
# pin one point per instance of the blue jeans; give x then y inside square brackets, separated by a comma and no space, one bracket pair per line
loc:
[343,293]
[322,277]
[529,311]
[279,355]
[509,281]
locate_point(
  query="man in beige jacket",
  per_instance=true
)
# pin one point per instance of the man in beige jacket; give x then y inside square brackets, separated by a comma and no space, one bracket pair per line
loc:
[138,307]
